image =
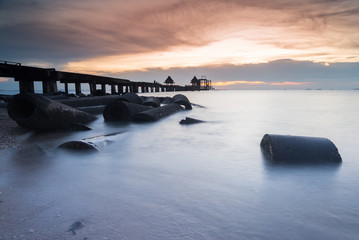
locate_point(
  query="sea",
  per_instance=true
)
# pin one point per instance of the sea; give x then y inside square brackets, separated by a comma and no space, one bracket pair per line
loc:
[210,180]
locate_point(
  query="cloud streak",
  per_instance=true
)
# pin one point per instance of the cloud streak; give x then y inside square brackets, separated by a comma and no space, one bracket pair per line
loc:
[140,36]
[89,29]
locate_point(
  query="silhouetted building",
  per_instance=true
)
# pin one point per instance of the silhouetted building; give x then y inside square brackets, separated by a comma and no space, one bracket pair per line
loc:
[169,81]
[200,84]
[195,83]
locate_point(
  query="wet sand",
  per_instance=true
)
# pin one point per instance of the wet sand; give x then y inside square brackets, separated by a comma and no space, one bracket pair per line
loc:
[9,131]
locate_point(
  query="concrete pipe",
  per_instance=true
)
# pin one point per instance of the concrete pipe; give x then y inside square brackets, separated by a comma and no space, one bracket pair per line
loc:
[78,102]
[298,149]
[182,100]
[152,101]
[131,97]
[36,112]
[122,111]
[155,114]
[94,110]
[165,100]
[79,146]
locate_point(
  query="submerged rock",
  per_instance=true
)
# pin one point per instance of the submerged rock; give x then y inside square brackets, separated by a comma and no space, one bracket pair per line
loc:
[189,120]
[79,146]
[75,226]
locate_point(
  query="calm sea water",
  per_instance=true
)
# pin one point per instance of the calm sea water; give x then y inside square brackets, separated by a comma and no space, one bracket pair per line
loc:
[207,181]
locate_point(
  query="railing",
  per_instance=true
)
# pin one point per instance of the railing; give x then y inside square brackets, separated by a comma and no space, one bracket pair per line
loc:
[10,63]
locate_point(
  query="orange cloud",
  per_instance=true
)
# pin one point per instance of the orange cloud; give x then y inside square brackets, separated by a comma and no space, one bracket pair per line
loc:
[176,33]
[286,83]
[289,83]
[222,84]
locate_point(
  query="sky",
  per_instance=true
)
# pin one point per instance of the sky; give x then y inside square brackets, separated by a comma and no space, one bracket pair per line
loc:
[238,44]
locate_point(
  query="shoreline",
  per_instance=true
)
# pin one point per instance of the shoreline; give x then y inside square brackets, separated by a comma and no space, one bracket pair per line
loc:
[9,131]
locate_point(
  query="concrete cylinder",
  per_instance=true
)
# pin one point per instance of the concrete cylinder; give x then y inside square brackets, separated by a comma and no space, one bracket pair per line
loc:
[155,114]
[122,111]
[39,113]
[131,97]
[88,101]
[152,101]
[298,149]
[182,100]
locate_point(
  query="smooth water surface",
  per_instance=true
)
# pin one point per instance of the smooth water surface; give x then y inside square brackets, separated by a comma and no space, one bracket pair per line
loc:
[164,180]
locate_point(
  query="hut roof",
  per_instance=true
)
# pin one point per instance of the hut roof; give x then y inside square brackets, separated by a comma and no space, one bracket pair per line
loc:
[194,80]
[169,80]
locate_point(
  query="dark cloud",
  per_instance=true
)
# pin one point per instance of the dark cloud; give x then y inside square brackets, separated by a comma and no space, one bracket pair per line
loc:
[337,75]
[62,31]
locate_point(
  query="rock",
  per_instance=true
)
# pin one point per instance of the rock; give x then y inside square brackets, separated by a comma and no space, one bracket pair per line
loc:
[189,120]
[79,146]
[75,226]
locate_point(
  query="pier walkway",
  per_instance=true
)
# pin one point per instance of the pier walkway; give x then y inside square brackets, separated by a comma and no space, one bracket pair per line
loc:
[26,76]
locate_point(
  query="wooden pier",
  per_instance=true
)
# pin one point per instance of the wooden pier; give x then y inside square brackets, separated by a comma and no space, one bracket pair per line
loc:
[26,76]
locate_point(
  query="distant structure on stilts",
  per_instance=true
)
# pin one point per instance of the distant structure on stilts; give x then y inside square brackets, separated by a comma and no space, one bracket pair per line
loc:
[49,77]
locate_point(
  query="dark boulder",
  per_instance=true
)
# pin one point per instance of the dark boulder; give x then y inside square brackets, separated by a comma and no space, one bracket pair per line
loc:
[189,120]
[79,146]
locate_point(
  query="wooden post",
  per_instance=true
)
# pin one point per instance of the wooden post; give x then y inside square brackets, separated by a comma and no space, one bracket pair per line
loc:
[103,88]
[120,88]
[26,86]
[53,86]
[92,88]
[134,88]
[66,88]
[45,87]
[49,86]
[78,88]
[113,89]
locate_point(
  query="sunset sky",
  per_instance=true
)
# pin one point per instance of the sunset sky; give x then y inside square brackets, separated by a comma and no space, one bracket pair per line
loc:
[239,44]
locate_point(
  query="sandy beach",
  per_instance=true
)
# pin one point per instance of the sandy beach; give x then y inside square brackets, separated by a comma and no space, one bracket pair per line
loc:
[9,131]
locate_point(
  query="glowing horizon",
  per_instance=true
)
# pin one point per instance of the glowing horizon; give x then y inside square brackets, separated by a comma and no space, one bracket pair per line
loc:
[240,82]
